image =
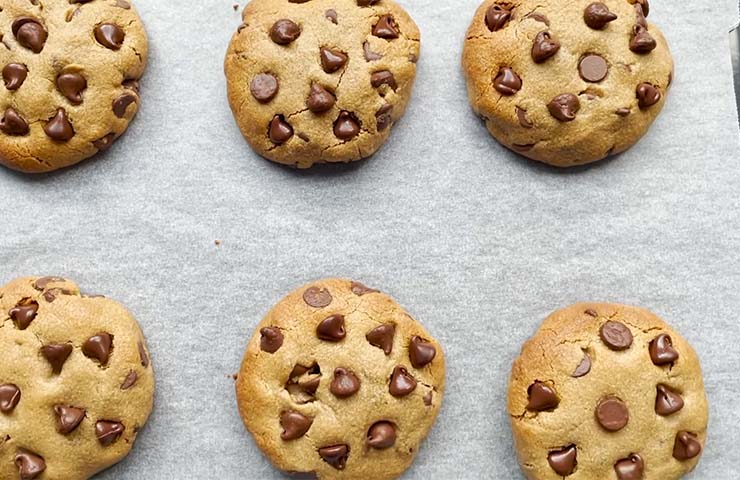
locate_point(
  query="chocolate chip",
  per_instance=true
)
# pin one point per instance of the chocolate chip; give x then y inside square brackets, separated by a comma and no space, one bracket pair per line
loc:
[13,124]
[56,354]
[591,312]
[382,337]
[121,103]
[264,87]
[381,435]
[332,60]
[366,3]
[386,28]
[123,4]
[142,355]
[52,294]
[564,107]
[612,414]
[563,461]
[331,329]
[320,99]
[647,95]
[597,16]
[421,352]
[360,289]
[623,112]
[384,117]
[593,68]
[110,35]
[370,56]
[539,18]
[402,383]
[384,77]
[428,398]
[284,32]
[294,424]
[108,432]
[43,282]
[644,5]
[317,297]
[10,395]
[105,142]
[345,383]
[583,368]
[497,17]
[630,468]
[616,335]
[544,47]
[30,33]
[130,380]
[662,351]
[271,339]
[542,397]
[331,15]
[24,314]
[68,418]
[335,455]
[346,127]
[14,74]
[303,383]
[29,465]
[507,82]
[521,115]
[280,131]
[59,128]
[686,446]
[98,347]
[71,85]
[131,84]
[667,401]
[641,41]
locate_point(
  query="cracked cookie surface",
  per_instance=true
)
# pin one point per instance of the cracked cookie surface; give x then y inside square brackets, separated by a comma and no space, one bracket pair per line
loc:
[566,82]
[70,70]
[607,391]
[321,81]
[76,383]
[339,381]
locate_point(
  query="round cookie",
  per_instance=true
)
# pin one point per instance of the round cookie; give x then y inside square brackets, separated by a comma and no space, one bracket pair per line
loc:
[566,82]
[70,73]
[339,381]
[610,392]
[321,81]
[76,383]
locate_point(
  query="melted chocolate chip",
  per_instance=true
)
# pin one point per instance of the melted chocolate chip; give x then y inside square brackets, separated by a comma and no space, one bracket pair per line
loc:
[121,103]
[280,131]
[98,347]
[29,465]
[264,87]
[108,432]
[507,82]
[13,123]
[14,74]
[641,41]
[382,337]
[630,468]
[686,446]
[564,107]
[24,314]
[331,329]
[110,35]
[386,28]
[59,127]
[384,77]
[56,354]
[542,397]
[402,383]
[667,401]
[10,395]
[347,126]
[384,117]
[616,335]
[662,351]
[142,355]
[335,455]
[320,99]
[421,352]
[583,368]
[497,17]
[294,424]
[563,461]
[360,289]
[612,414]
[30,33]
[284,32]
[381,435]
[524,121]
[271,339]
[331,15]
[345,383]
[332,60]
[68,418]
[370,56]
[317,297]
[647,95]
[71,85]
[544,47]
[130,380]
[597,16]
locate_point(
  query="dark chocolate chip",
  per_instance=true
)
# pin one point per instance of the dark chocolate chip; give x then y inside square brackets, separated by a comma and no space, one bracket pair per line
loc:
[130,380]
[320,99]
[381,435]
[143,355]
[346,127]
[284,32]
[630,468]
[98,347]
[544,47]
[593,68]
[597,16]
[110,35]
[331,328]
[384,117]
[43,282]
[332,60]
[108,432]
[524,121]
[271,339]
[59,127]
[10,395]
[641,41]
[30,33]
[421,352]
[647,95]
[686,446]
[383,77]
[56,354]
[13,123]
[428,398]
[386,28]
[564,107]
[382,337]
[317,297]
[280,131]
[68,418]
[121,103]
[294,424]
[563,461]
[24,314]
[507,82]
[345,383]
[366,3]
[645,5]
[71,85]
[497,17]
[616,335]
[662,351]
[335,455]
[667,401]
[402,383]
[29,465]
[331,15]
[612,414]
[14,74]
[360,289]
[583,368]
[105,142]
[542,397]
[264,87]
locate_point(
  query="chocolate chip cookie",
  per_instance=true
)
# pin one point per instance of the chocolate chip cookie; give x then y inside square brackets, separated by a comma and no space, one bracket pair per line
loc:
[610,392]
[76,383]
[317,81]
[70,70]
[340,382]
[566,82]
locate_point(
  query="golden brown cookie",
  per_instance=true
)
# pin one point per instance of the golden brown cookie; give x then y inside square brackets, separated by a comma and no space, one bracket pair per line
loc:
[608,392]
[70,71]
[339,381]
[566,82]
[76,383]
[321,81]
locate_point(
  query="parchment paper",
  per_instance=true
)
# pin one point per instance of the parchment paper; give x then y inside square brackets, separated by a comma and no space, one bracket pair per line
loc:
[477,243]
